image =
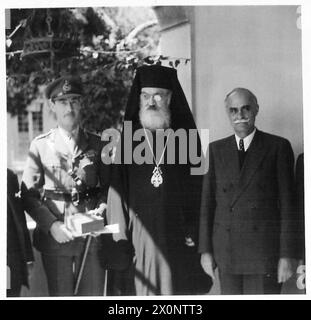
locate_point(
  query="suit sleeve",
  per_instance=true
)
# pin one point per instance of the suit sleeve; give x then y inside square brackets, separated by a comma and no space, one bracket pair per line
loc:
[28,246]
[32,182]
[208,205]
[299,205]
[288,216]
[16,207]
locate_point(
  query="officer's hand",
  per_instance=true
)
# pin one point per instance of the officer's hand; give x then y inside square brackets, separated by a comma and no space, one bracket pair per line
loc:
[98,211]
[60,233]
[285,269]
[208,264]
[95,234]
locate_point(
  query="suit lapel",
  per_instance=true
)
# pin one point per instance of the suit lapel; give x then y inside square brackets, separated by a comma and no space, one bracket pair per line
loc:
[254,157]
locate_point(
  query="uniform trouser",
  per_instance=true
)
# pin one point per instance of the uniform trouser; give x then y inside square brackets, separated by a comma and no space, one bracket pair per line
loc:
[62,273]
[249,284]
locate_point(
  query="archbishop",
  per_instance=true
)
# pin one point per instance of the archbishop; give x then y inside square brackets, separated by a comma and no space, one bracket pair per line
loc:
[156,203]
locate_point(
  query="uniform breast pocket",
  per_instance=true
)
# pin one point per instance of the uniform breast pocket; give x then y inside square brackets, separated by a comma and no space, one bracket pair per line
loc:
[53,175]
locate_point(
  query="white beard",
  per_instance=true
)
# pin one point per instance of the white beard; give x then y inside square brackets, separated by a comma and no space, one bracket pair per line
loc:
[154,119]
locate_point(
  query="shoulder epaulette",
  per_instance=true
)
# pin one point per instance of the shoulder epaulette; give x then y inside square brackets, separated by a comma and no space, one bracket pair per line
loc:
[43,135]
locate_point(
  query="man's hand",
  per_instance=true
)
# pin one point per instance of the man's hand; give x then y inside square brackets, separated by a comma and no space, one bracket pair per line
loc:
[98,211]
[189,241]
[30,267]
[95,234]
[208,264]
[285,269]
[60,233]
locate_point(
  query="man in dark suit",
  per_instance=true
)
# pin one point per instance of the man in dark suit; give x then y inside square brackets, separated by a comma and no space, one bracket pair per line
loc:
[247,221]
[19,250]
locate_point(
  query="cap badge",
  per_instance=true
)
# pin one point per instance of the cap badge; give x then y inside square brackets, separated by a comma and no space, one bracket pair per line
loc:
[66,86]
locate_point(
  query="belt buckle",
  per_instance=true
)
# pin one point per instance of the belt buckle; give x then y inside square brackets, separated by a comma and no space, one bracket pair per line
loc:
[75,197]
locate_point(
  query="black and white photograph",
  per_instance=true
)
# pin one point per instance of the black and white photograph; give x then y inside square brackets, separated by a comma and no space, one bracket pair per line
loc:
[155,149]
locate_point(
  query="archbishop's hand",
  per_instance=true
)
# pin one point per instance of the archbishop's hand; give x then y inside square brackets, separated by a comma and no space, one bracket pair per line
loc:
[208,264]
[60,233]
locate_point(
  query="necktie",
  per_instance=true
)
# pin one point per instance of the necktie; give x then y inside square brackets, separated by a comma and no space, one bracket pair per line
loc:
[241,153]
[241,145]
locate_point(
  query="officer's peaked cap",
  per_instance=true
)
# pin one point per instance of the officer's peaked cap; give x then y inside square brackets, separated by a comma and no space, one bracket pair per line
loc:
[64,87]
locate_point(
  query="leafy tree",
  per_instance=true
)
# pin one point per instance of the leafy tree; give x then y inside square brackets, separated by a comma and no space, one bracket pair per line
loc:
[98,44]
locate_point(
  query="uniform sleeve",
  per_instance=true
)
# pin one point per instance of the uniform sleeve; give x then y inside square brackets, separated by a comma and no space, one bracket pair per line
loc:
[208,205]
[32,182]
[288,216]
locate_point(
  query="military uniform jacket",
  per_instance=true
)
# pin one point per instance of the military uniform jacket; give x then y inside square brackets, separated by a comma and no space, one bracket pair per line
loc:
[47,168]
[247,216]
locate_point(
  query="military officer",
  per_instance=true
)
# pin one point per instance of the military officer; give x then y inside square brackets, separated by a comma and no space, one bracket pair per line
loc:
[64,175]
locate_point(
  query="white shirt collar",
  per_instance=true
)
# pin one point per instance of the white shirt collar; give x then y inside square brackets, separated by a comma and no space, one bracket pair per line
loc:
[247,140]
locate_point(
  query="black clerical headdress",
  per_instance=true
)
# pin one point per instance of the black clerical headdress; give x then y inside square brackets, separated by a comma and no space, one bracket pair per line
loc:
[160,77]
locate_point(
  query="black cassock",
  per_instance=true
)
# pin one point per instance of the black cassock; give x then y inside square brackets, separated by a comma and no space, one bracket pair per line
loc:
[154,226]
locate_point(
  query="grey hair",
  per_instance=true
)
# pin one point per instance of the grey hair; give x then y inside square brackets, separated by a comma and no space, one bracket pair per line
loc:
[242,90]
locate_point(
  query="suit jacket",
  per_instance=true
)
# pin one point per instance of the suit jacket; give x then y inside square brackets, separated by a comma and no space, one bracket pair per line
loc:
[48,162]
[19,249]
[247,216]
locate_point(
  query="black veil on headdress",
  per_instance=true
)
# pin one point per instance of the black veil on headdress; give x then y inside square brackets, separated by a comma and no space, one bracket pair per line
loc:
[160,77]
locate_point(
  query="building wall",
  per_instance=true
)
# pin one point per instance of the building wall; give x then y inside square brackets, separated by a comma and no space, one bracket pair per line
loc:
[18,143]
[176,42]
[257,47]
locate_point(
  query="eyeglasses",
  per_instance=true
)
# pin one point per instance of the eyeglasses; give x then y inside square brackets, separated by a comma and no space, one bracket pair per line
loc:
[156,97]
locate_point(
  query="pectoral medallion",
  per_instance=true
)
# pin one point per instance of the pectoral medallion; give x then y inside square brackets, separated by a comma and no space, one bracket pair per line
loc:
[156,178]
